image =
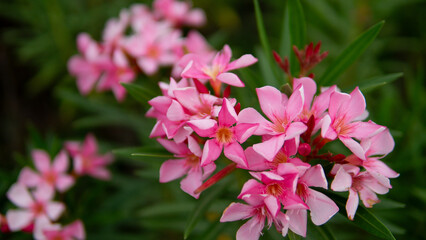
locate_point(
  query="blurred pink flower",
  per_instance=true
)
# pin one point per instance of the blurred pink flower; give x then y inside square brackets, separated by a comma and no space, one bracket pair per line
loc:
[73,231]
[179,12]
[34,206]
[52,174]
[86,159]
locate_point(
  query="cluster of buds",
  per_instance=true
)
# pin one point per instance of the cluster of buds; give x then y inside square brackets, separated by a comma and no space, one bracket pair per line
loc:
[35,191]
[155,40]
[196,126]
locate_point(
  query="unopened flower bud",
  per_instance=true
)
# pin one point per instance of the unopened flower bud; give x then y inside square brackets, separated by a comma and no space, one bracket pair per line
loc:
[304,149]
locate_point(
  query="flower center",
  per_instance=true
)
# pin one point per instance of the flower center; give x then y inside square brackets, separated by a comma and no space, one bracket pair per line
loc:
[153,52]
[50,177]
[274,189]
[193,160]
[301,191]
[281,157]
[340,126]
[224,135]
[37,208]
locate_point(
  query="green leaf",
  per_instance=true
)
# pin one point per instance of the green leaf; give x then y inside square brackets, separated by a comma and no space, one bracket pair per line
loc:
[166,209]
[297,30]
[363,218]
[203,204]
[138,92]
[293,236]
[319,232]
[264,39]
[349,55]
[375,82]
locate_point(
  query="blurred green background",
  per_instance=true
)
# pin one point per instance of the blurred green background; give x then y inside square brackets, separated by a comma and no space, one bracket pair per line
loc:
[41,107]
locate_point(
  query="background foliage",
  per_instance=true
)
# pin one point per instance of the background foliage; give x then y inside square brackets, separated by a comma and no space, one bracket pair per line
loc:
[41,108]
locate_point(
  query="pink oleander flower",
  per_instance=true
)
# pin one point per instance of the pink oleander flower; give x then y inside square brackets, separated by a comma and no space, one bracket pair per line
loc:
[34,206]
[73,231]
[279,187]
[282,112]
[322,208]
[87,68]
[52,174]
[342,121]
[217,69]
[86,159]
[179,12]
[223,135]
[375,148]
[363,184]
[117,71]
[114,31]
[258,211]
[188,162]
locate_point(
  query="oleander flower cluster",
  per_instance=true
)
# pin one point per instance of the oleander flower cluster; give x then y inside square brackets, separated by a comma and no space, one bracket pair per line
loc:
[35,193]
[140,40]
[197,127]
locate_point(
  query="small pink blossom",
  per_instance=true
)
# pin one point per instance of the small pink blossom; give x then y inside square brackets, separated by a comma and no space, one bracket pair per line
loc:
[179,12]
[223,135]
[217,69]
[282,112]
[73,231]
[52,174]
[34,206]
[87,161]
[362,184]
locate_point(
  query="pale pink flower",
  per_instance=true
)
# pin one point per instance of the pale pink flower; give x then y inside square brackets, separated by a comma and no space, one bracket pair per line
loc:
[34,206]
[282,112]
[363,184]
[342,121]
[217,69]
[258,211]
[52,174]
[279,187]
[87,160]
[188,163]
[117,71]
[73,231]
[114,31]
[179,12]
[322,208]
[223,135]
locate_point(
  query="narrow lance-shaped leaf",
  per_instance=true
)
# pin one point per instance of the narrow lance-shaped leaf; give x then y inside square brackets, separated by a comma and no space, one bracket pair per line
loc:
[297,29]
[203,205]
[138,92]
[363,218]
[350,55]
[264,39]
[376,82]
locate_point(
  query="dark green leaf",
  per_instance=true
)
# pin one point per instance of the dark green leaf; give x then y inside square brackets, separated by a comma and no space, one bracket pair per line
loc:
[363,218]
[203,204]
[138,92]
[293,236]
[297,30]
[165,209]
[319,232]
[349,55]
[375,82]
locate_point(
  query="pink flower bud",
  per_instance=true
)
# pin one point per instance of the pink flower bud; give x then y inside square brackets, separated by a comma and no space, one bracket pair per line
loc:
[304,149]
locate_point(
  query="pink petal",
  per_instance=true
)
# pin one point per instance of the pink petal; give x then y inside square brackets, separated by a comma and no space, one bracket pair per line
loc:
[292,201]
[356,106]
[309,89]
[211,152]
[188,97]
[227,115]
[368,197]
[381,144]
[41,160]
[73,148]
[268,149]
[18,219]
[366,129]
[271,102]
[378,166]
[251,230]
[322,101]
[244,131]
[236,211]
[44,192]
[337,100]
[54,210]
[20,196]
[148,66]
[250,115]
[235,153]
[173,147]
[176,112]
[243,61]
[322,207]
[282,223]
[90,145]
[231,79]
[295,104]
[100,173]
[76,230]
[172,169]
[326,130]
[223,57]
[352,204]
[28,177]
[273,205]
[251,187]
[315,177]
[60,163]
[354,146]
[295,129]
[191,183]
[342,181]
[203,127]
[194,147]
[64,182]
[255,161]
[298,221]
